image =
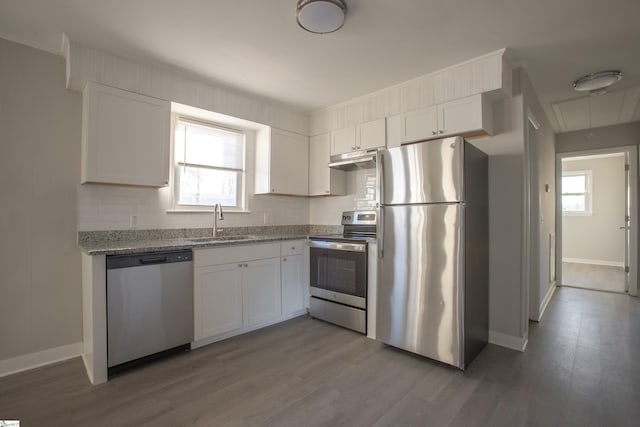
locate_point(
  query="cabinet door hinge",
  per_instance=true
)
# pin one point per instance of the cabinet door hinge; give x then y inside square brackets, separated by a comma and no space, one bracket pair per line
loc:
[626,268]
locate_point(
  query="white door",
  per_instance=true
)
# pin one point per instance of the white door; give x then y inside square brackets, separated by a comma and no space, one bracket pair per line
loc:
[343,140]
[218,299]
[292,284]
[289,170]
[372,134]
[420,124]
[262,292]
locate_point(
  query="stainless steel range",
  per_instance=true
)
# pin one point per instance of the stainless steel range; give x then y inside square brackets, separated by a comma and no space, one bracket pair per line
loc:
[339,272]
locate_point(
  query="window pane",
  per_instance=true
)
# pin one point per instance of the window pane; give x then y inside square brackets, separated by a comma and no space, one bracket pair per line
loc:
[574,203]
[574,184]
[201,186]
[209,146]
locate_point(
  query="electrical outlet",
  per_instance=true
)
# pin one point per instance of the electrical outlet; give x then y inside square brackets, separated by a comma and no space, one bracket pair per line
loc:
[133,221]
[267,218]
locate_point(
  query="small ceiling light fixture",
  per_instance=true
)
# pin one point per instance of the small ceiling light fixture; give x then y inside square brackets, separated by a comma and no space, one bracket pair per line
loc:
[596,82]
[321,16]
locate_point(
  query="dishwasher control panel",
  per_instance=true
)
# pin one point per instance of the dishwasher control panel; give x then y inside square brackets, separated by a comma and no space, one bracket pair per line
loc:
[149,258]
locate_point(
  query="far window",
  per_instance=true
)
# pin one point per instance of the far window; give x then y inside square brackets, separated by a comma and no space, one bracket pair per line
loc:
[209,165]
[576,192]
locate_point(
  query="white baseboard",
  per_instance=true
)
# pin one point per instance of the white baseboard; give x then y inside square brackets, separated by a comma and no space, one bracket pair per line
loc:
[40,358]
[594,262]
[546,300]
[508,341]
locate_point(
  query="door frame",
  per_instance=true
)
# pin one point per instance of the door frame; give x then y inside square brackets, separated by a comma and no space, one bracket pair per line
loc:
[631,153]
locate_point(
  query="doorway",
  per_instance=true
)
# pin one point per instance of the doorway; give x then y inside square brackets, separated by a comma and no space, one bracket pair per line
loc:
[597,247]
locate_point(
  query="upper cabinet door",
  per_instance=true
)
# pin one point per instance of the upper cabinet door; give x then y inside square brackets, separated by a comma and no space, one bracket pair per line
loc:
[372,134]
[282,163]
[465,115]
[125,138]
[362,137]
[343,140]
[420,124]
[323,181]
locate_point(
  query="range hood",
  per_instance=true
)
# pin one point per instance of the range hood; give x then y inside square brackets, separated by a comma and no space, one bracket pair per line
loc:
[365,159]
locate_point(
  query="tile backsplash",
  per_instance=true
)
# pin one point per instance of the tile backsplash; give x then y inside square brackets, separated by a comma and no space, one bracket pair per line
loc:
[107,207]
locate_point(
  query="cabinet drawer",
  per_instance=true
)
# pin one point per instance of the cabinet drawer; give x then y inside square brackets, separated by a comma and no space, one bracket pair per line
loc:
[230,254]
[292,247]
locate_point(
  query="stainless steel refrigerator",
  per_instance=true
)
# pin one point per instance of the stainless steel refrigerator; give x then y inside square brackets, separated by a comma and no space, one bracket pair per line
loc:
[433,249]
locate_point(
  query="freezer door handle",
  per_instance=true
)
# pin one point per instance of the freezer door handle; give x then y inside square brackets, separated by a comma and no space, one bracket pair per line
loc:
[380,202]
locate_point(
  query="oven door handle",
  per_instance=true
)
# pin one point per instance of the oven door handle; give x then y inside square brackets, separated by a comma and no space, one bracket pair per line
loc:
[338,246]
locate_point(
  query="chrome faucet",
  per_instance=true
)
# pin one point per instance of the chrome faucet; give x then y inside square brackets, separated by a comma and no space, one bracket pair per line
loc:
[217,214]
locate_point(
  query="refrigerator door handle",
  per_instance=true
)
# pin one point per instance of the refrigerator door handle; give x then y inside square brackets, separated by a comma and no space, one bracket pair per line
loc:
[380,170]
[381,245]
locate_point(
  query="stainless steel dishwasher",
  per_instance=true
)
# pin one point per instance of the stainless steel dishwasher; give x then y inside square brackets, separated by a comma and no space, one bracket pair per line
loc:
[149,306]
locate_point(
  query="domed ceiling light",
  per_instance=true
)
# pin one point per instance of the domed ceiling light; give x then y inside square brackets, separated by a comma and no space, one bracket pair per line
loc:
[321,16]
[597,82]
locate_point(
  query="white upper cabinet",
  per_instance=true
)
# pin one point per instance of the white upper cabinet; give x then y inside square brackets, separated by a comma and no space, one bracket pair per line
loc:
[467,116]
[361,137]
[281,163]
[420,124]
[343,140]
[371,134]
[324,181]
[125,137]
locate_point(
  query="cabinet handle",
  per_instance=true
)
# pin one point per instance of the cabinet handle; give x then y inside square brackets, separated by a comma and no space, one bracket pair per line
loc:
[440,131]
[293,248]
[327,191]
[246,265]
[433,132]
[239,265]
[273,190]
[284,259]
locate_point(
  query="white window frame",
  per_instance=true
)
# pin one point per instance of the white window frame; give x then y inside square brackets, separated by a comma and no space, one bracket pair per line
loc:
[242,207]
[588,193]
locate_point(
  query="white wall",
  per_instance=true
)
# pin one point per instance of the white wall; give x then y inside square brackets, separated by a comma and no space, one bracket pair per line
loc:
[505,245]
[40,283]
[543,203]
[597,237]
[604,137]
[506,150]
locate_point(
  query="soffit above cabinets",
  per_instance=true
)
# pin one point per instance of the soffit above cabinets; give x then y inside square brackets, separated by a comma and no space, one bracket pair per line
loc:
[612,108]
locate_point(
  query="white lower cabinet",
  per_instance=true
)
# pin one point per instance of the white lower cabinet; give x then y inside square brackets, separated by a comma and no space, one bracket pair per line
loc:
[241,288]
[218,300]
[295,279]
[262,294]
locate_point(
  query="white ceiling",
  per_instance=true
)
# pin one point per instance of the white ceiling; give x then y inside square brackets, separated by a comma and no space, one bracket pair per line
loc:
[256,45]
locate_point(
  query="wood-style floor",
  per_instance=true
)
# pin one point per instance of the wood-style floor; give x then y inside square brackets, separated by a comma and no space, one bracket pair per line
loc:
[582,367]
[595,277]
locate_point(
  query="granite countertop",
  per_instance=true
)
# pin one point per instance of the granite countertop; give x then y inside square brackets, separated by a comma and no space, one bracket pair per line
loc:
[120,242]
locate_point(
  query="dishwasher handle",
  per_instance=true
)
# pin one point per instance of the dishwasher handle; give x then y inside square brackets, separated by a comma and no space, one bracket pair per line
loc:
[153,260]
